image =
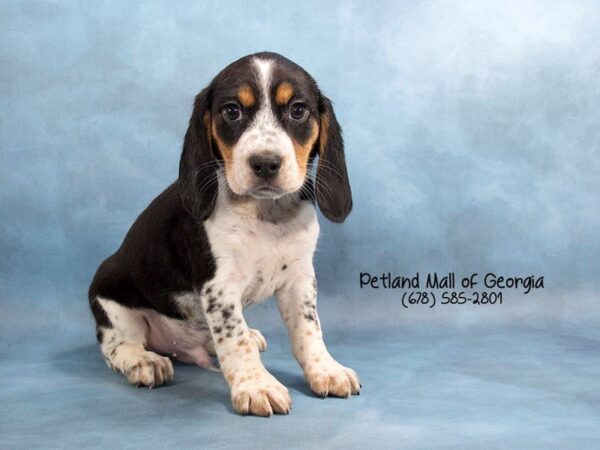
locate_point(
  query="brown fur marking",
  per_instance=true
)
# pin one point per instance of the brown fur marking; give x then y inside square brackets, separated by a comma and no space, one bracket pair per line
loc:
[225,150]
[324,136]
[303,150]
[284,93]
[246,96]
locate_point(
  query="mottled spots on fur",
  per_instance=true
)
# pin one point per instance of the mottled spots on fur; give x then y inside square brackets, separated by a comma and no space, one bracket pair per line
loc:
[311,317]
[212,305]
[226,312]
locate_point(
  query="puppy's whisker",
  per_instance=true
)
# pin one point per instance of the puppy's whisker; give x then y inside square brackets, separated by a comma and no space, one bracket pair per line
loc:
[307,191]
[206,184]
[330,166]
[323,186]
[206,165]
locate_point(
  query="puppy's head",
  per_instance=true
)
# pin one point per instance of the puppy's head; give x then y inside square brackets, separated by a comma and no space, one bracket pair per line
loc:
[263,120]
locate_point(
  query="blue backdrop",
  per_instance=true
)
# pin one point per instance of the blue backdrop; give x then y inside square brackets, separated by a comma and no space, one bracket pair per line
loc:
[472,135]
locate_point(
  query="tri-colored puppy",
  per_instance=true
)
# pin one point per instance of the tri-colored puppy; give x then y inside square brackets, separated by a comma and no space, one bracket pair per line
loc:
[238,226]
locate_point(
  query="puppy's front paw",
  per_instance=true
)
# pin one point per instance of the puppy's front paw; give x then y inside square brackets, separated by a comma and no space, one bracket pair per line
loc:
[331,378]
[261,395]
[149,369]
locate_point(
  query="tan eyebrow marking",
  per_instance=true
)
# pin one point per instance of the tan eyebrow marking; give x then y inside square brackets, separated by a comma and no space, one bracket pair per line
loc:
[246,96]
[284,93]
[303,150]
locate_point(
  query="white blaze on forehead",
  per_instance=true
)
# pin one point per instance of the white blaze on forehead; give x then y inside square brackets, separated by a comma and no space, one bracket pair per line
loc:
[264,119]
[265,71]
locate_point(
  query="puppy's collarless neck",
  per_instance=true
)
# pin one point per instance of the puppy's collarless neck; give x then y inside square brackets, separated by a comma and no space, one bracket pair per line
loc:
[276,211]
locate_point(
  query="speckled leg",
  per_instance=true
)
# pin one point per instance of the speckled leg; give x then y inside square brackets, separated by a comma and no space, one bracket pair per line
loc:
[298,307]
[253,389]
[257,335]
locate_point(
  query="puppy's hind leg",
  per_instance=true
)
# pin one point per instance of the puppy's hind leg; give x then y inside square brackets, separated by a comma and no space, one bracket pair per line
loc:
[123,345]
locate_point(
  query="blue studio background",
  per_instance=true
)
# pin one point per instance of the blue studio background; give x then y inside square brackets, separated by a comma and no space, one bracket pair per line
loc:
[473,145]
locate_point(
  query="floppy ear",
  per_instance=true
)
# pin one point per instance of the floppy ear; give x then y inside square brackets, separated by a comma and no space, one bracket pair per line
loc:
[332,190]
[198,166]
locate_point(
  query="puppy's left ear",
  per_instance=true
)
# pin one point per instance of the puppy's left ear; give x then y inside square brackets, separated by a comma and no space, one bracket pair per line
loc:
[332,190]
[198,166]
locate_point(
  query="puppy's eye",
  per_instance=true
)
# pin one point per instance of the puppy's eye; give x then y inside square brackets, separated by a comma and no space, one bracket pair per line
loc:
[232,112]
[298,111]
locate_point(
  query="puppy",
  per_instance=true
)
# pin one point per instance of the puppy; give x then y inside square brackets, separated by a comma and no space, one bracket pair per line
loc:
[238,226]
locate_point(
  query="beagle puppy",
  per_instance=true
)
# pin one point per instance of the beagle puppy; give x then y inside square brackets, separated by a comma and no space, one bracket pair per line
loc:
[238,226]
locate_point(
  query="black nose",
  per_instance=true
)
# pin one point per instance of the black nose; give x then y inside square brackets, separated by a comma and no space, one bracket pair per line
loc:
[265,167]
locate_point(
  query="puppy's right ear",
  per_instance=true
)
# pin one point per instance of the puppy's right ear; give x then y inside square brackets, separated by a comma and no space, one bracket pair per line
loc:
[198,166]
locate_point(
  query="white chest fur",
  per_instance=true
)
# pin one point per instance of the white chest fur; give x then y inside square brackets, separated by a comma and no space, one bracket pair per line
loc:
[260,246]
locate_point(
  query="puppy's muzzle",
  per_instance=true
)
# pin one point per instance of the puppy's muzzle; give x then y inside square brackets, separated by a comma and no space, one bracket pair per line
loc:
[265,167]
